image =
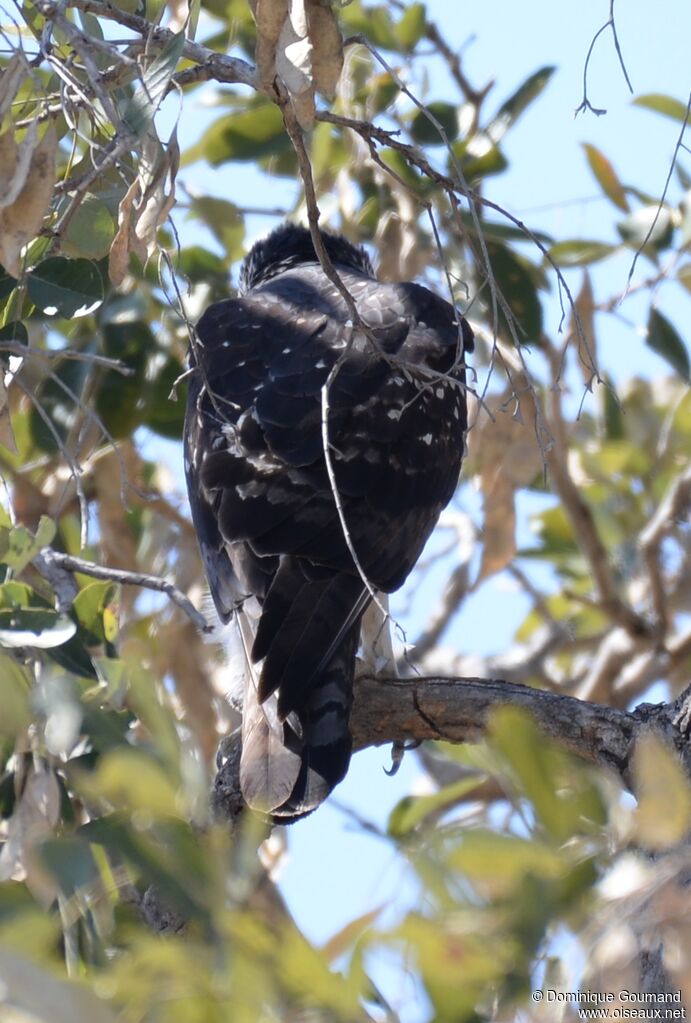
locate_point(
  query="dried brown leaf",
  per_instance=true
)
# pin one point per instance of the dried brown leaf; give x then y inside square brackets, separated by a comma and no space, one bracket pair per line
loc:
[21,221]
[269,16]
[294,62]
[327,58]
[499,527]
[506,456]
[144,208]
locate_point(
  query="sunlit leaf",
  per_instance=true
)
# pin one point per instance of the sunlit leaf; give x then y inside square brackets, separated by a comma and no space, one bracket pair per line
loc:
[663,817]
[89,607]
[128,778]
[15,690]
[39,995]
[373,21]
[413,810]
[578,252]
[662,104]
[606,177]
[249,135]
[411,28]
[224,220]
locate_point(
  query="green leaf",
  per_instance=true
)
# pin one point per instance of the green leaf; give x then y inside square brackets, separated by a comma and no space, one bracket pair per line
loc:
[373,22]
[24,546]
[664,339]
[89,607]
[67,288]
[256,132]
[612,412]
[684,276]
[70,861]
[140,110]
[130,779]
[501,862]
[35,993]
[606,177]
[578,252]
[662,104]
[411,28]
[413,810]
[56,404]
[16,595]
[90,231]
[663,817]
[515,282]
[34,627]
[425,132]
[518,102]
[15,691]
[224,220]
[120,401]
[7,283]
[561,795]
[400,166]
[164,415]
[479,157]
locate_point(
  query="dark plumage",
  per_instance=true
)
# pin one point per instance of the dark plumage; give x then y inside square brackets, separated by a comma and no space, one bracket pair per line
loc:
[263,507]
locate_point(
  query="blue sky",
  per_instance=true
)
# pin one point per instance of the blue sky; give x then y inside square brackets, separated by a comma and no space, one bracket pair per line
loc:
[335,870]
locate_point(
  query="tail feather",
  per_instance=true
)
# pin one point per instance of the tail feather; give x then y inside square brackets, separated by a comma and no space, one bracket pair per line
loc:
[299,661]
[327,743]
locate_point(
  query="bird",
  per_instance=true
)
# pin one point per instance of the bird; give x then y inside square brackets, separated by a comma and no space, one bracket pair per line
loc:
[320,449]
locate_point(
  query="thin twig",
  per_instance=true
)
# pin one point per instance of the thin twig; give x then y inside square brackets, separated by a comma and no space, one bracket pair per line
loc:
[585,103]
[661,203]
[52,354]
[49,559]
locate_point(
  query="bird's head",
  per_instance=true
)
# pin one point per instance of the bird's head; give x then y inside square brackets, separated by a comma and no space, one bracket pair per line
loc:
[289,246]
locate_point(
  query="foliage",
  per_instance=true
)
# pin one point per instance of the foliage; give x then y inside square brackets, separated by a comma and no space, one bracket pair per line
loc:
[111,703]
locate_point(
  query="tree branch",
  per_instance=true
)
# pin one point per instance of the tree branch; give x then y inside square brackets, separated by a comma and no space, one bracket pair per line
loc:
[459,709]
[55,566]
[231,70]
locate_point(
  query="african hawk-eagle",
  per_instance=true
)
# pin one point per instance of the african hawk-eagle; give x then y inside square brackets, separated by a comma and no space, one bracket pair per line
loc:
[278,372]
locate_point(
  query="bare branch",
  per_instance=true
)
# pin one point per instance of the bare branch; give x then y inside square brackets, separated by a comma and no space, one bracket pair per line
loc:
[231,70]
[50,562]
[611,24]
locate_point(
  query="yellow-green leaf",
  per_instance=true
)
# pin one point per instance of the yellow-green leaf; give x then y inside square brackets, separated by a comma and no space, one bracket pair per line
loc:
[606,177]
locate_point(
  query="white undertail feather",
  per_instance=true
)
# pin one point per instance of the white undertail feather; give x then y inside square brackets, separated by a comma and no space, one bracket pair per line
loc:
[376,656]
[268,770]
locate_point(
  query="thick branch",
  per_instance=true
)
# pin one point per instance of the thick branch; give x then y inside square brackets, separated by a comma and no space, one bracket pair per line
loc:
[458,710]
